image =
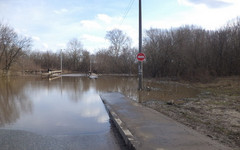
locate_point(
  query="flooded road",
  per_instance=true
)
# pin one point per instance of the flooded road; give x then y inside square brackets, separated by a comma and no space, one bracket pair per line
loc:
[61,114]
[67,113]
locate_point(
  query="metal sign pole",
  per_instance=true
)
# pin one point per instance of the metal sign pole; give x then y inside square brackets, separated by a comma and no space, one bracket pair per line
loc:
[140,63]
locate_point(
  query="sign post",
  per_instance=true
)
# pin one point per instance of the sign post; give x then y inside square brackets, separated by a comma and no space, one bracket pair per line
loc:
[140,63]
[140,58]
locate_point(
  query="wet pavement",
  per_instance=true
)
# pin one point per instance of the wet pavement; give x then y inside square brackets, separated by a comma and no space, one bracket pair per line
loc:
[144,128]
[23,140]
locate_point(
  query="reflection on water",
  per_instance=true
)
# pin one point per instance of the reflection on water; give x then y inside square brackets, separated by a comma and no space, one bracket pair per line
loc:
[67,106]
[71,105]
[163,91]
[13,101]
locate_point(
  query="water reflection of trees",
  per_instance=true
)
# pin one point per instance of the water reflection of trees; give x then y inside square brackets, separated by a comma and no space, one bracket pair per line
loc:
[13,100]
[163,91]
[76,86]
[125,85]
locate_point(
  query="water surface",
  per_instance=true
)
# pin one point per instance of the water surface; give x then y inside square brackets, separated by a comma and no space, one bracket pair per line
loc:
[67,113]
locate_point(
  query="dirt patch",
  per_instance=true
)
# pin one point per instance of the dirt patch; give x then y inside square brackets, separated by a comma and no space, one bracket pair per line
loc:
[215,112]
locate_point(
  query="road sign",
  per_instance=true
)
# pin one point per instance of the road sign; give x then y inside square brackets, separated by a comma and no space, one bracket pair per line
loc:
[141,56]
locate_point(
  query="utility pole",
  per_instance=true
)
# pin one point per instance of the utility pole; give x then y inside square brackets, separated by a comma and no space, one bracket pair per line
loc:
[140,63]
[61,61]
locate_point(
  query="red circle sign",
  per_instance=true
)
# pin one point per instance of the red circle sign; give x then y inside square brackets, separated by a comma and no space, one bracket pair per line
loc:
[141,56]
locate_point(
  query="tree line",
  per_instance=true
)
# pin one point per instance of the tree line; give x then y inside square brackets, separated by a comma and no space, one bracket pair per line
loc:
[193,52]
[189,52]
[74,58]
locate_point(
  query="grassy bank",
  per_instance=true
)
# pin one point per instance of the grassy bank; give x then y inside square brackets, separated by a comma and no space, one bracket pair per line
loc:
[214,112]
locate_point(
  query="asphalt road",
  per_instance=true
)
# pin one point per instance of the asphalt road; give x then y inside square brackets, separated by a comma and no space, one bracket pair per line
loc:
[24,140]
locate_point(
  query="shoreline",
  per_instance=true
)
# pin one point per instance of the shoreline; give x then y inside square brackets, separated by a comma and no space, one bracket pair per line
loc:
[215,112]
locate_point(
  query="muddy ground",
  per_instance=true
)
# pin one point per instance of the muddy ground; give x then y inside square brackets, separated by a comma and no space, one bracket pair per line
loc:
[215,111]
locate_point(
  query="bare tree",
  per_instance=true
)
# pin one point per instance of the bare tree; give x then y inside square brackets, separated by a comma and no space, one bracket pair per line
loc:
[85,63]
[11,46]
[118,40]
[75,49]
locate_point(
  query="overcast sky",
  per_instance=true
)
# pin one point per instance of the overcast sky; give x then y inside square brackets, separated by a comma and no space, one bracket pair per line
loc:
[52,23]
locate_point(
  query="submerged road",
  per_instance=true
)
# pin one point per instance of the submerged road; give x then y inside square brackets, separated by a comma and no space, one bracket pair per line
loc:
[62,114]
[146,129]
[24,140]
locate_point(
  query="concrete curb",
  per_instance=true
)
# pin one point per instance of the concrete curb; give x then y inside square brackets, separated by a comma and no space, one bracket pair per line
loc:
[127,136]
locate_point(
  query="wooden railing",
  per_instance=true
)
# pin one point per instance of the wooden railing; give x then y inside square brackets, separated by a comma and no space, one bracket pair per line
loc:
[51,74]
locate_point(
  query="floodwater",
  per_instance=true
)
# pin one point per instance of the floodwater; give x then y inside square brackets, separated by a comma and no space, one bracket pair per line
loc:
[67,113]
[63,114]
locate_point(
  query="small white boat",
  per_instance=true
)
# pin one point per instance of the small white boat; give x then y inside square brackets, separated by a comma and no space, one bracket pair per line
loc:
[93,76]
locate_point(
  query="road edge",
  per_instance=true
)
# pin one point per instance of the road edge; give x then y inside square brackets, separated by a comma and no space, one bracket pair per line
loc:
[130,141]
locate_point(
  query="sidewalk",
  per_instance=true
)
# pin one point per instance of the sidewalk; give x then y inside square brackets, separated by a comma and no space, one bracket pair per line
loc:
[145,129]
